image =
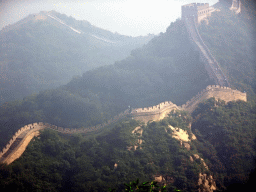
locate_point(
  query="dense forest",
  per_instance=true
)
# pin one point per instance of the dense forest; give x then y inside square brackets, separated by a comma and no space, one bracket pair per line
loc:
[225,140]
[167,68]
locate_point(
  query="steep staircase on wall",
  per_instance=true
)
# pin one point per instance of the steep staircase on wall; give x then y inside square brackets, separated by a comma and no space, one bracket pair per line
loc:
[211,65]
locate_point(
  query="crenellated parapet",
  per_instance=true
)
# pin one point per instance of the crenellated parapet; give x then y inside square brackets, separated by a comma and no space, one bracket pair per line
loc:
[236,6]
[19,141]
[158,112]
[199,10]
[18,136]
[154,113]
[152,108]
[224,93]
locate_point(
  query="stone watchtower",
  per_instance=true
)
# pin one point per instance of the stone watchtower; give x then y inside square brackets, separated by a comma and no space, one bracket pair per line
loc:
[199,10]
[236,6]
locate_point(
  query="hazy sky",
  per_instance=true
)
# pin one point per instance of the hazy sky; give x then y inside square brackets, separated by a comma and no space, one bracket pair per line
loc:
[127,17]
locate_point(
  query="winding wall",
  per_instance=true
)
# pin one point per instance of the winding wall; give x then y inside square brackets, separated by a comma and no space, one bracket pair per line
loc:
[18,143]
[20,140]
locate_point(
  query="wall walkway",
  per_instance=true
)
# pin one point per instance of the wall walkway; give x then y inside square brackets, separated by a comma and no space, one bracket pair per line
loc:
[213,69]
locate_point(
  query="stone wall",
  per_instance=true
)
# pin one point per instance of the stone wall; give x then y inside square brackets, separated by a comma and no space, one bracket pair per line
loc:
[16,135]
[224,93]
[158,112]
[236,6]
[211,65]
[154,113]
[199,10]
[19,150]
[27,132]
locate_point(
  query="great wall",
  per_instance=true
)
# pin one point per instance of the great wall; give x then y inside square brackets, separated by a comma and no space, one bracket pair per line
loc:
[158,112]
[20,140]
[18,143]
[192,15]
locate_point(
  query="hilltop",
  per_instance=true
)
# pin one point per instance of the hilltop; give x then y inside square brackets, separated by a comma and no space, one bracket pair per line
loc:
[168,68]
[211,148]
[47,49]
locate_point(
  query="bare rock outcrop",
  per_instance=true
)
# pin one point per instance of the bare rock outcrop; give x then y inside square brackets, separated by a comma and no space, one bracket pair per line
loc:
[136,132]
[206,183]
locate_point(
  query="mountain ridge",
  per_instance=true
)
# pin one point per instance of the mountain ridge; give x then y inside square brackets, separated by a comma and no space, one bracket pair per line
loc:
[167,68]
[49,52]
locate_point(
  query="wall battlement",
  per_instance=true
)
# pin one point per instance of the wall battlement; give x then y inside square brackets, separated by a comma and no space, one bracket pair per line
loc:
[158,112]
[24,135]
[236,6]
[153,113]
[152,108]
[224,93]
[199,10]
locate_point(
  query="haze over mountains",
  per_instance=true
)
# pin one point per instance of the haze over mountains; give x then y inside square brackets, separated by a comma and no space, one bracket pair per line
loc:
[46,50]
[212,147]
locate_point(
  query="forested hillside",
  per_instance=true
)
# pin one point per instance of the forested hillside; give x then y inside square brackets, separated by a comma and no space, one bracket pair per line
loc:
[167,68]
[47,49]
[230,129]
[231,37]
[224,140]
[88,164]
[147,77]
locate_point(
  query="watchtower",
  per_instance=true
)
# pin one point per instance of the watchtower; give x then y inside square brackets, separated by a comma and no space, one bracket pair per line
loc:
[236,6]
[198,10]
